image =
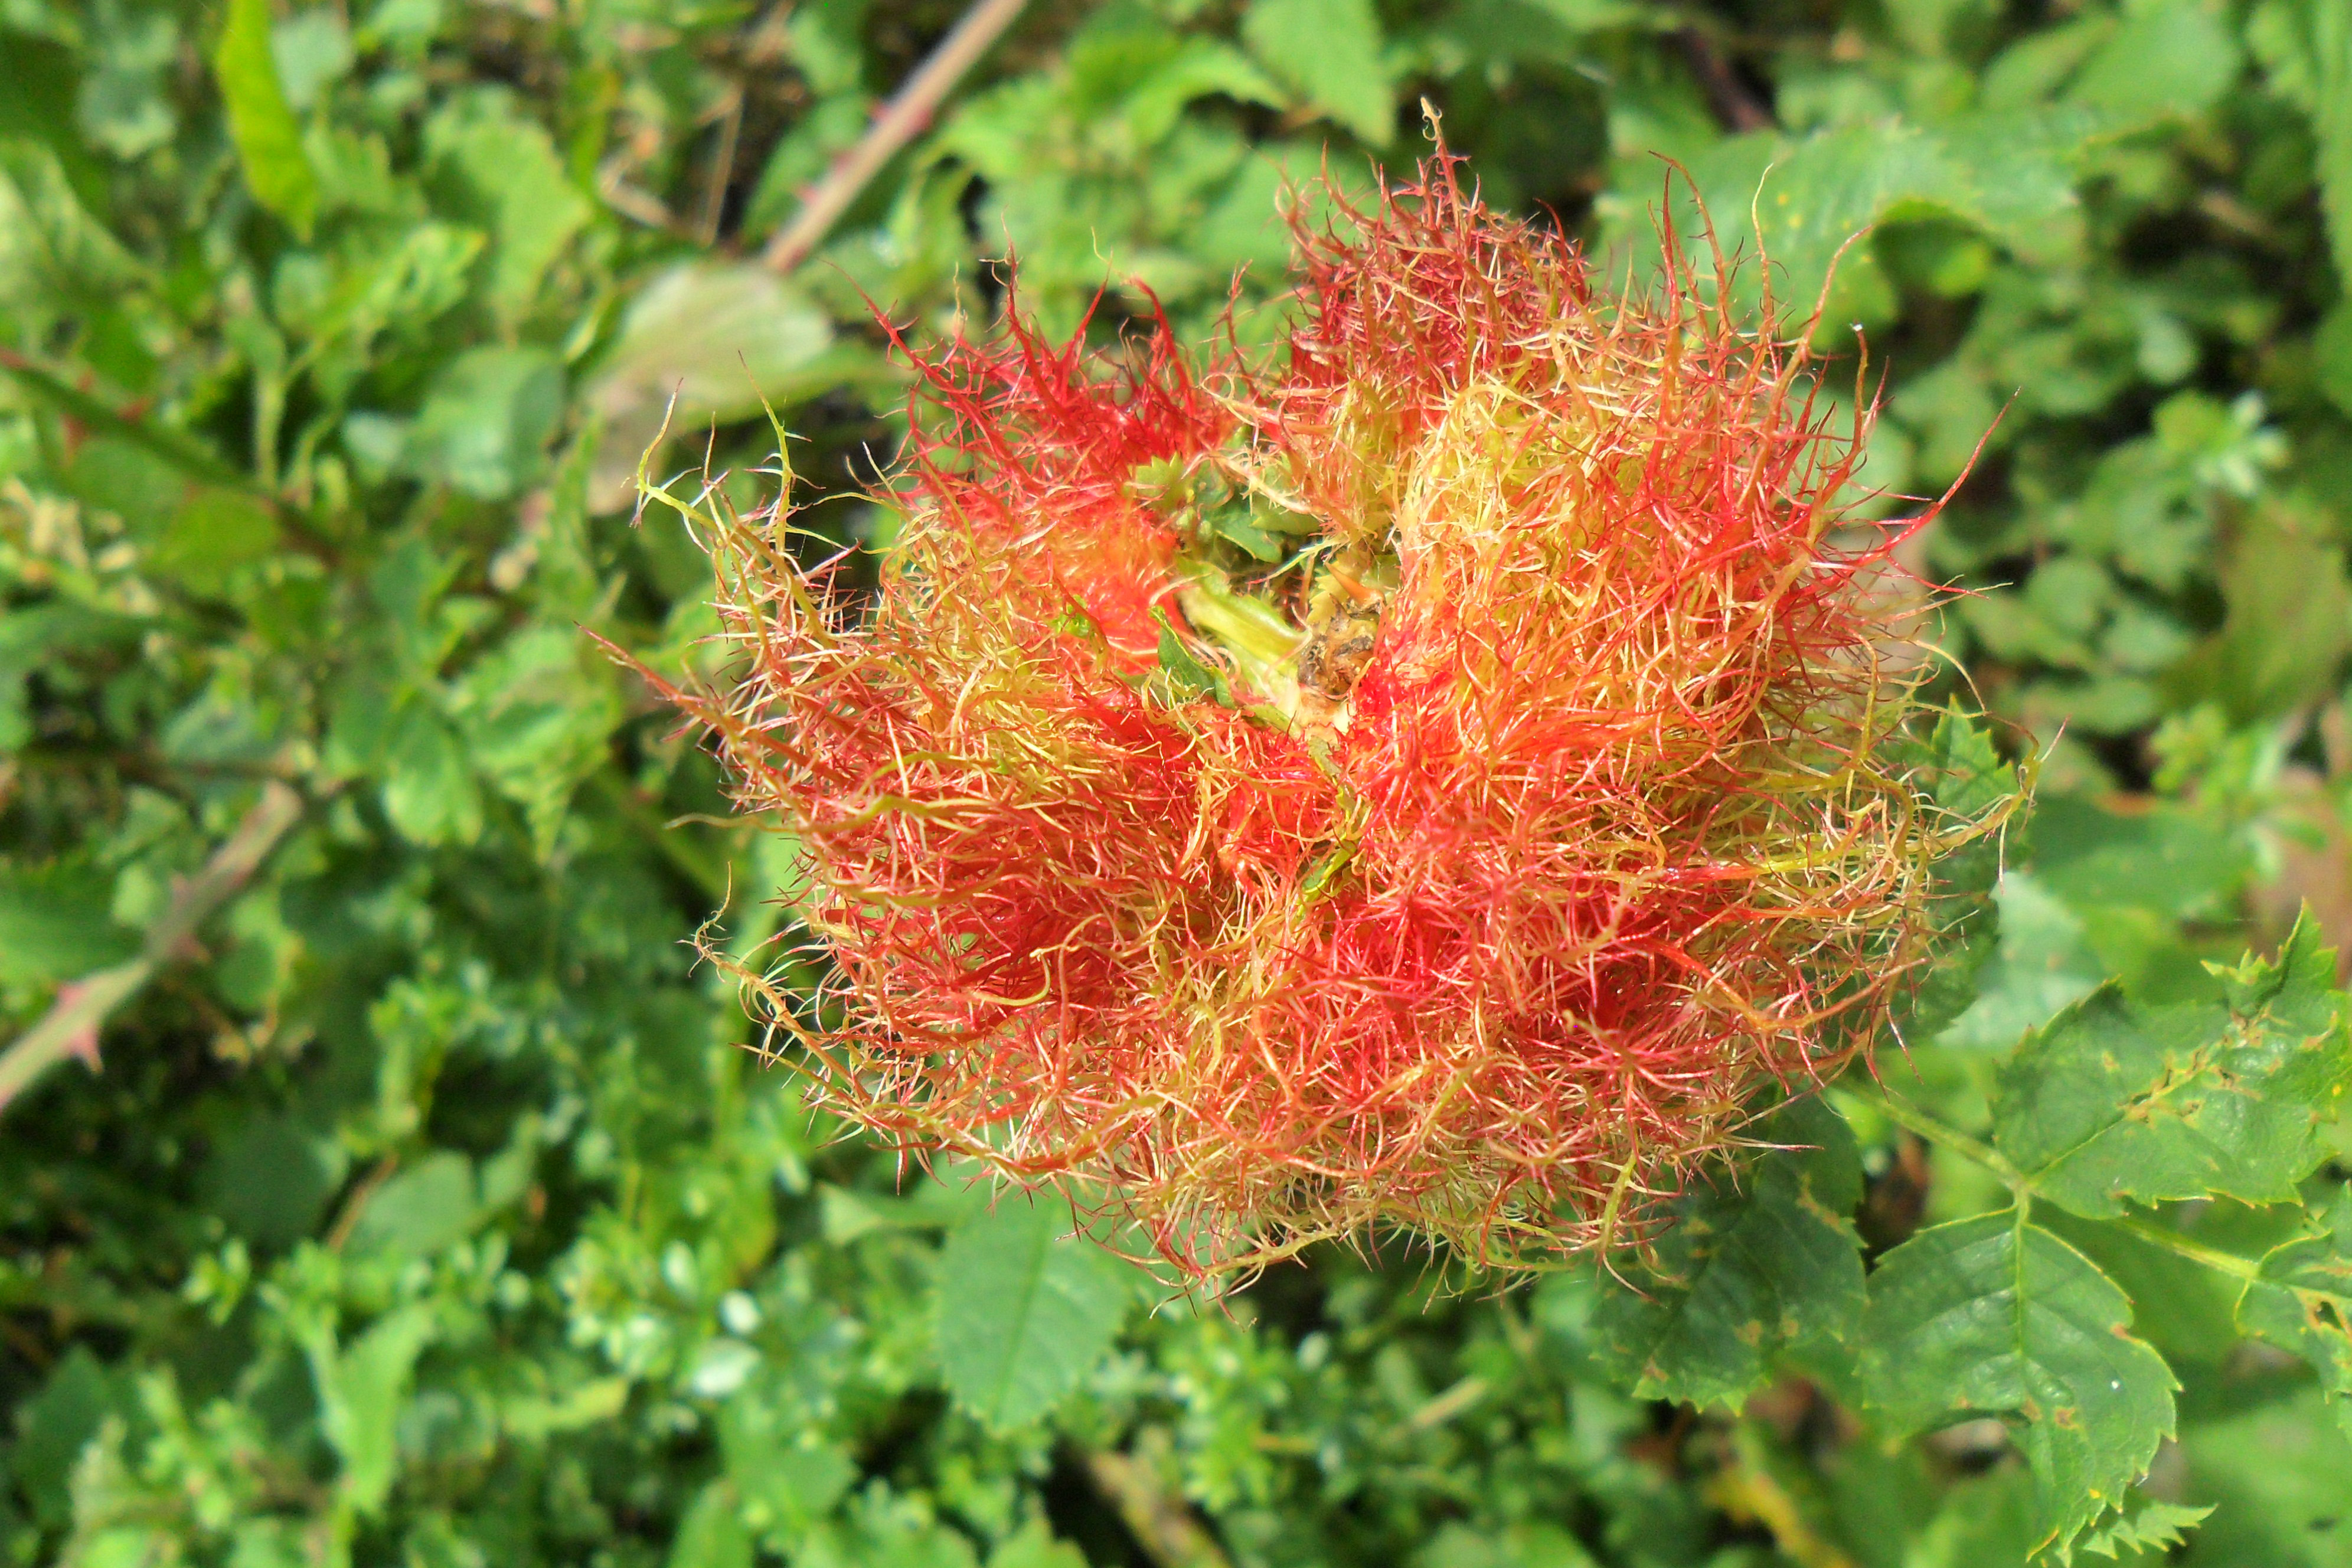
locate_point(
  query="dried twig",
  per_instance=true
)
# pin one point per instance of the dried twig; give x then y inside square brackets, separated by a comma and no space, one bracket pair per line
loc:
[900,120]
[71,1025]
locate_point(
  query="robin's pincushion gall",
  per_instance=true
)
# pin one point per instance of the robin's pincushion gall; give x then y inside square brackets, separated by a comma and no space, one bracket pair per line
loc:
[1439,781]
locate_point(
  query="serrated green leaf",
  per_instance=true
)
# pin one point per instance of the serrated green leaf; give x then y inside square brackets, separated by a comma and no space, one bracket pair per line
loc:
[1753,1263]
[1995,1316]
[2307,47]
[1330,51]
[2112,1103]
[2301,1301]
[269,141]
[1024,1310]
[2146,1525]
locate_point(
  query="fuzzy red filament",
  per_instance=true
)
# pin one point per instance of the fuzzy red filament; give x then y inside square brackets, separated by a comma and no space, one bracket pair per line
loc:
[1437,782]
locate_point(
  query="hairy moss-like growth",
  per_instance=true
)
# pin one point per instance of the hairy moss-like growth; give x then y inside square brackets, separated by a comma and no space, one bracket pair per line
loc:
[1437,782]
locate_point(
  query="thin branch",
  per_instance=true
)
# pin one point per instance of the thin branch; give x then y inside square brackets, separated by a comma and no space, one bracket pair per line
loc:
[1912,1118]
[900,122]
[71,1026]
[1726,95]
[1170,1532]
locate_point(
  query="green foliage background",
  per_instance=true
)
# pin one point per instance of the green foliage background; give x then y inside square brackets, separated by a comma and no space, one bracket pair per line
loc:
[427,1211]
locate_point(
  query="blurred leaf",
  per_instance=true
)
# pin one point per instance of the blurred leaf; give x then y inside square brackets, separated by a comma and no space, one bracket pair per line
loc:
[418,1212]
[486,424]
[511,183]
[1033,1546]
[1024,1310]
[589,1403]
[1525,1545]
[56,924]
[2146,1526]
[2275,1473]
[2290,620]
[270,1179]
[717,337]
[2168,57]
[1330,51]
[2301,1301]
[2112,1103]
[38,81]
[2159,858]
[429,789]
[312,49]
[1993,1316]
[51,245]
[787,1474]
[360,1386]
[268,141]
[538,713]
[712,1533]
[36,635]
[2307,47]
[172,446]
[213,533]
[54,1425]
[1755,1261]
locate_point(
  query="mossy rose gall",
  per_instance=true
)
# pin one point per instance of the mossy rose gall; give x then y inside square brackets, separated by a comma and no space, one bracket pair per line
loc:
[1438,780]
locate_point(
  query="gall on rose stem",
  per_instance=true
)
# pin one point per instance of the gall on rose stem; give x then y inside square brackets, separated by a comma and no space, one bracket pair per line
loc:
[1443,782]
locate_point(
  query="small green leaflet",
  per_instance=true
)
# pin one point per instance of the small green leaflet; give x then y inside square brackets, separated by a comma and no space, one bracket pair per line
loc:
[2111,1103]
[2301,1301]
[269,141]
[1186,678]
[1994,1316]
[1751,1267]
[1025,1309]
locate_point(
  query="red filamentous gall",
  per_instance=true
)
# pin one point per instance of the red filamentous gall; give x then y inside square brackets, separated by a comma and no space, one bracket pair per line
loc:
[1437,782]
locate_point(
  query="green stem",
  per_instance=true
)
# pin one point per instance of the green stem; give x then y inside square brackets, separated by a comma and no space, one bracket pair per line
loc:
[2212,1258]
[1917,1121]
[2021,1184]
